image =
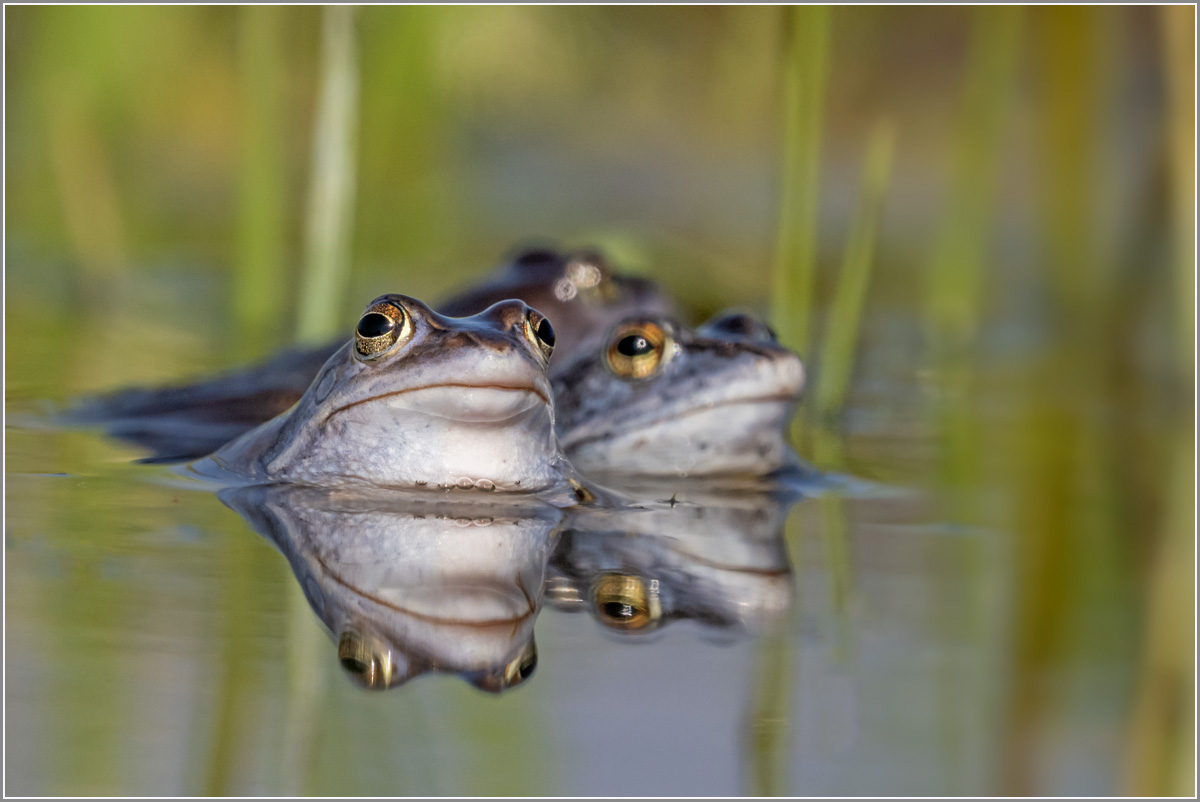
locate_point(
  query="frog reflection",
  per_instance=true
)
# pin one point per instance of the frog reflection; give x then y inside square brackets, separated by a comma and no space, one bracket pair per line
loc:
[660,399]
[578,291]
[407,586]
[715,557]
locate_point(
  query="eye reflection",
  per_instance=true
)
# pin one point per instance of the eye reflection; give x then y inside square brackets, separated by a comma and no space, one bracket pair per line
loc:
[367,664]
[627,602]
[514,673]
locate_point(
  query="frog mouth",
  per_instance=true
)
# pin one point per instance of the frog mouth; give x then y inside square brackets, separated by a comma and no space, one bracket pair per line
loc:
[461,401]
[769,404]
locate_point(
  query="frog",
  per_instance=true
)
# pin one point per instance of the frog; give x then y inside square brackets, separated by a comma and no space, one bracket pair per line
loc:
[415,400]
[659,398]
[578,290]
[407,586]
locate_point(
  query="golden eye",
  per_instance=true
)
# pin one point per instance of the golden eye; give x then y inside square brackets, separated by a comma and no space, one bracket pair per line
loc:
[504,677]
[636,350]
[540,332]
[382,326]
[624,602]
[368,666]
[522,667]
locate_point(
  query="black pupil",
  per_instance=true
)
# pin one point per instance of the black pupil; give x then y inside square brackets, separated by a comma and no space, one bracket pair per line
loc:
[545,332]
[354,666]
[635,345]
[619,610]
[375,324]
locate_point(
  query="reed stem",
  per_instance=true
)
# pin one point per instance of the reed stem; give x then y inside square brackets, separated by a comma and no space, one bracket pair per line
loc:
[842,330]
[806,66]
[259,267]
[331,198]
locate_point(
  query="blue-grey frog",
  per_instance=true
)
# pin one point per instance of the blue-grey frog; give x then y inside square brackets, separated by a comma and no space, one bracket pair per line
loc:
[659,398]
[579,291]
[419,400]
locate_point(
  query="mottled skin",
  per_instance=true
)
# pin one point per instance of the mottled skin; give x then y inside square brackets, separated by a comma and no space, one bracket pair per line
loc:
[579,292]
[455,403]
[411,585]
[737,326]
[717,404]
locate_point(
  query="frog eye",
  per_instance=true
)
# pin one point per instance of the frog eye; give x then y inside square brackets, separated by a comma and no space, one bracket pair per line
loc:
[522,667]
[636,350]
[382,326]
[539,331]
[621,601]
[368,666]
[504,677]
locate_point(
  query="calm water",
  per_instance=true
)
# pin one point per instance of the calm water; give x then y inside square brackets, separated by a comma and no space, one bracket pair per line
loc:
[1002,602]
[857,641]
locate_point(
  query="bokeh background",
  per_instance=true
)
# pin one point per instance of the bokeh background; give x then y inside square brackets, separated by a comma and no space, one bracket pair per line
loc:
[975,224]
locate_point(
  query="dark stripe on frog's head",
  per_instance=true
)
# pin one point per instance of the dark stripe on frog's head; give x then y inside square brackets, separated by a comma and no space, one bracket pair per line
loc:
[738,325]
[498,328]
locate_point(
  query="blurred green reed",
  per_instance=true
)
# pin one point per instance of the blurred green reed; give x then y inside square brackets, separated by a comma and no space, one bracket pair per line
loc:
[845,316]
[1070,547]
[323,281]
[1177,26]
[234,687]
[767,725]
[805,67]
[963,239]
[766,729]
[961,256]
[331,194]
[1162,744]
[1056,455]
[260,269]
[805,75]
[1071,557]
[952,311]
[308,672]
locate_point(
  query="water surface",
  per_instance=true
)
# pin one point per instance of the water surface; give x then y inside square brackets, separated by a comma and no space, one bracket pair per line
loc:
[158,645]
